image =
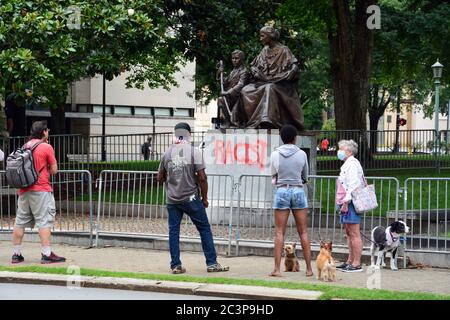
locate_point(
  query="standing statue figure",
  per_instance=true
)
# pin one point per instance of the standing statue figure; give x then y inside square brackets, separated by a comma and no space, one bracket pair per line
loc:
[271,99]
[231,87]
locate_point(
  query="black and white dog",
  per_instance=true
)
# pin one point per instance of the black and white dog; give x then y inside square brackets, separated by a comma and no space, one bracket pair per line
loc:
[385,240]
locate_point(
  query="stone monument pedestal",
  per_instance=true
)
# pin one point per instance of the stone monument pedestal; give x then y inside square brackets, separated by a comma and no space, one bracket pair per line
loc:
[244,155]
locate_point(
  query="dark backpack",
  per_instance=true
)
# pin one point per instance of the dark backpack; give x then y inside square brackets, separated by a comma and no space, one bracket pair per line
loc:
[20,171]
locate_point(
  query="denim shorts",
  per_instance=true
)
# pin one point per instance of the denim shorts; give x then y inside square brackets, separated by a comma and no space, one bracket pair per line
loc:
[351,217]
[293,198]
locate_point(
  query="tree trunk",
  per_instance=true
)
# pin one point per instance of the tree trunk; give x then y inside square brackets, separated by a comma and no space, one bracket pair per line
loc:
[58,120]
[57,125]
[351,56]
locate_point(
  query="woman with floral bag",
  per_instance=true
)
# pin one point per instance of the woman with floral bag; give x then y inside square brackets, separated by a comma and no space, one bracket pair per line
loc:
[350,179]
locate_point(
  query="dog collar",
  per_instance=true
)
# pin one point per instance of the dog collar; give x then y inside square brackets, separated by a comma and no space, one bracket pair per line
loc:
[394,239]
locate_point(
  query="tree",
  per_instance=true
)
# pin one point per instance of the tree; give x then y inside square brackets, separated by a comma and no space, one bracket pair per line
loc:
[403,53]
[43,51]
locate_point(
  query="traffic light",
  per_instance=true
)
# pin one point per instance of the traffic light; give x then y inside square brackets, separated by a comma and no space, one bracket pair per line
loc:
[402,121]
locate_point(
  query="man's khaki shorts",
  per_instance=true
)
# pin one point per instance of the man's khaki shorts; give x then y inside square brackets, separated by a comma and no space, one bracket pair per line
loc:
[36,208]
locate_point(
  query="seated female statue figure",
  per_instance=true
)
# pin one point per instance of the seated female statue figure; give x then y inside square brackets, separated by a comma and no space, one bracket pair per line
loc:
[271,99]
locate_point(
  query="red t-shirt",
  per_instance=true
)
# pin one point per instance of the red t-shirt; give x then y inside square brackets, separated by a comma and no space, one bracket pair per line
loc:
[43,156]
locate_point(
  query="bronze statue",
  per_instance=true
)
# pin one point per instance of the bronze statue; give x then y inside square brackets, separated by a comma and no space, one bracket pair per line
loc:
[270,100]
[231,87]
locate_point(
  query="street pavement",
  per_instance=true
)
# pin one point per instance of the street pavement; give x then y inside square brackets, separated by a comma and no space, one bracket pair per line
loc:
[431,280]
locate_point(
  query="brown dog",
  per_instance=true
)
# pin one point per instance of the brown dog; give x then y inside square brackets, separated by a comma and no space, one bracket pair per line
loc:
[290,259]
[326,268]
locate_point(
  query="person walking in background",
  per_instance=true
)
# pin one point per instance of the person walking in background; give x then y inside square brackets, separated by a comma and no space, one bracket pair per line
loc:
[325,144]
[146,149]
[350,178]
[182,169]
[36,203]
[289,167]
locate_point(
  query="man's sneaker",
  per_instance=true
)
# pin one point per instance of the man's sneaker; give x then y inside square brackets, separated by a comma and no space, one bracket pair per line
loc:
[351,268]
[178,269]
[342,266]
[17,258]
[52,258]
[217,268]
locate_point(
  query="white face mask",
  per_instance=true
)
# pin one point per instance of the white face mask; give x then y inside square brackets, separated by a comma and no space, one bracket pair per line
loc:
[341,155]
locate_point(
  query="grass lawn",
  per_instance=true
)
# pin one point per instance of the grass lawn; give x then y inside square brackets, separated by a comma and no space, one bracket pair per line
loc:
[330,291]
[152,196]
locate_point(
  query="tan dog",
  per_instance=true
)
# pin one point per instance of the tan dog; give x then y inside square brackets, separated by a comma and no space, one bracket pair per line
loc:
[290,259]
[326,268]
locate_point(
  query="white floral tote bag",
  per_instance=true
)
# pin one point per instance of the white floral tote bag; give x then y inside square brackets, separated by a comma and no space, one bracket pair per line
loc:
[364,199]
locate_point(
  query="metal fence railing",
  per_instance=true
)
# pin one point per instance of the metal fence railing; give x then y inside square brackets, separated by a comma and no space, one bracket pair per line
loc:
[378,150]
[70,149]
[427,212]
[127,147]
[327,146]
[403,149]
[72,190]
[254,214]
[444,138]
[132,202]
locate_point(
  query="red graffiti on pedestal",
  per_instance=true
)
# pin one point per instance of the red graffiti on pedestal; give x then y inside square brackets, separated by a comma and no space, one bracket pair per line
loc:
[242,153]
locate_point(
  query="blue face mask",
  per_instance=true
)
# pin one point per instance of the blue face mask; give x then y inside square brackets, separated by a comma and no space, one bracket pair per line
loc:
[341,155]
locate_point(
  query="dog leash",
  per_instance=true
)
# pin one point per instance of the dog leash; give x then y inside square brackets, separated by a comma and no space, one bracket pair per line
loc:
[364,236]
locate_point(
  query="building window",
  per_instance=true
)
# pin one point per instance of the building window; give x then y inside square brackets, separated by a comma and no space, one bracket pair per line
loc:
[162,112]
[83,108]
[142,111]
[122,110]
[99,109]
[181,112]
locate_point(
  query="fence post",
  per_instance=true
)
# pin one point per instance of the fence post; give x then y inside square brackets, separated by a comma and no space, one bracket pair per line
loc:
[405,207]
[230,222]
[238,187]
[97,227]
[90,209]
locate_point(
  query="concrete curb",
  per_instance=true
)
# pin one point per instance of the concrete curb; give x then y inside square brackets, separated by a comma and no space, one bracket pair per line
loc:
[174,287]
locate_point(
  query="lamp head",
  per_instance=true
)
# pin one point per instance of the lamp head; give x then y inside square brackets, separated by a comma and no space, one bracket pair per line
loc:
[437,69]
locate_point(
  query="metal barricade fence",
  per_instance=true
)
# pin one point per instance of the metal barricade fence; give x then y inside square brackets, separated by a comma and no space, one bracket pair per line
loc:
[133,202]
[130,202]
[72,190]
[324,216]
[8,204]
[426,212]
[254,221]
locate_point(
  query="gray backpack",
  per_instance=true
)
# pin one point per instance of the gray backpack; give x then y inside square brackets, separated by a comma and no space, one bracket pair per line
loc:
[20,171]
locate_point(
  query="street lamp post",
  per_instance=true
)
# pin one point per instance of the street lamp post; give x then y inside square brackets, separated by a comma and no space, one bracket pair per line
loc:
[437,73]
[103,120]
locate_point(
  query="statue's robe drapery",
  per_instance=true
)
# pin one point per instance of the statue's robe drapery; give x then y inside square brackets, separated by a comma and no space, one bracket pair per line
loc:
[270,100]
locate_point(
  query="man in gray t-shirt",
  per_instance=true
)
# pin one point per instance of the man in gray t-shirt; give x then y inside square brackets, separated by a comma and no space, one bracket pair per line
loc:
[182,162]
[183,171]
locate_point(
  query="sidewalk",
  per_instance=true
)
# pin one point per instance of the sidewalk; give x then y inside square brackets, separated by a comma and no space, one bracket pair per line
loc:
[429,280]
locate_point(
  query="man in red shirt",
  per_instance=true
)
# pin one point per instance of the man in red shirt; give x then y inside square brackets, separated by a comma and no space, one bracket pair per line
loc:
[36,203]
[325,144]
